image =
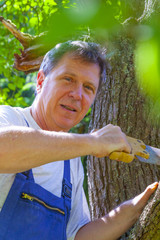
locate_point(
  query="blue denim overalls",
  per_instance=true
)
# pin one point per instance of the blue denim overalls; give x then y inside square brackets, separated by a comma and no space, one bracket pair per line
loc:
[32,213]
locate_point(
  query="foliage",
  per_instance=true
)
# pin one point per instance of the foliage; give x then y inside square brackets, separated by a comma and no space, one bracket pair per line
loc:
[147,63]
[71,19]
[16,88]
[63,19]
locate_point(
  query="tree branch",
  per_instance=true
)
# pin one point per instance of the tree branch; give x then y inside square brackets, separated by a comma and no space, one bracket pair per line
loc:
[24,38]
[148,10]
[32,55]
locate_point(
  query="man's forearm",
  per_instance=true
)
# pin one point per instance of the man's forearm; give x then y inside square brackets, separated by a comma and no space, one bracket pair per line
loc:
[109,227]
[23,148]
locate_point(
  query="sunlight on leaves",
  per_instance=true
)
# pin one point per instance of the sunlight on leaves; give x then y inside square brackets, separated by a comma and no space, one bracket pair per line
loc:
[147,65]
[147,62]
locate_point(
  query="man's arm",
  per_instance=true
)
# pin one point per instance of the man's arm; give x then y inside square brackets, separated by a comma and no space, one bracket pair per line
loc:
[118,221]
[22,148]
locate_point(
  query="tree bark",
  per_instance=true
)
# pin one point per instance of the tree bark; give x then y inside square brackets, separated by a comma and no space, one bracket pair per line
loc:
[120,102]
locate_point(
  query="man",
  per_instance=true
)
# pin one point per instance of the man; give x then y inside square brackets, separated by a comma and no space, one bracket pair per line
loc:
[41,194]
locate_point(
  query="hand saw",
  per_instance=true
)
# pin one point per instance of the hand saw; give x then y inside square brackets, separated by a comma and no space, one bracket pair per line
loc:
[140,151]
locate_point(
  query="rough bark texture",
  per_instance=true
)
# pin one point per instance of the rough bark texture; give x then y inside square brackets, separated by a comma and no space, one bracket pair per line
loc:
[119,102]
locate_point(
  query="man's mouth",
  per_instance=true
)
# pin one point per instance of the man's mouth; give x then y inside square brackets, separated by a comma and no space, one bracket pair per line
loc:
[69,108]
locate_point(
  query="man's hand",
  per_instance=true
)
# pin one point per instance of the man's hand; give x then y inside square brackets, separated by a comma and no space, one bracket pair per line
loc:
[140,201]
[109,139]
[118,221]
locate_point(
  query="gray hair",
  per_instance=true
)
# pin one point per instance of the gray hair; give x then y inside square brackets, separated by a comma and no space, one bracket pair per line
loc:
[87,51]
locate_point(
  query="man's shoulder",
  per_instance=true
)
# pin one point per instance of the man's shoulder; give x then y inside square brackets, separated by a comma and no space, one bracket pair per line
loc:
[6,108]
[10,115]
[9,109]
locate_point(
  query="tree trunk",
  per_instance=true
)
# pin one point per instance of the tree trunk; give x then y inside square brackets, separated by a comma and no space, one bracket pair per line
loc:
[120,102]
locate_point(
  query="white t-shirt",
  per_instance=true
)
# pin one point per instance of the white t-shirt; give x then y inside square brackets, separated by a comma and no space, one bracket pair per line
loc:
[50,175]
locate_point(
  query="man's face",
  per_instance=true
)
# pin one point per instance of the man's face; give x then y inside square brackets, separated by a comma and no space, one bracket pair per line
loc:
[67,93]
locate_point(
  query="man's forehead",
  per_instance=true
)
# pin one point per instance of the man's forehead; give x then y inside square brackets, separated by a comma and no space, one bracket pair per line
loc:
[77,67]
[69,60]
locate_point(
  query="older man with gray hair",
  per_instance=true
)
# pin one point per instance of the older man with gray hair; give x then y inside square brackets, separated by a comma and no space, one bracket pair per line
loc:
[42,195]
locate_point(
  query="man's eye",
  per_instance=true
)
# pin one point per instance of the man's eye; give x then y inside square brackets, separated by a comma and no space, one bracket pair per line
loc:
[68,79]
[89,88]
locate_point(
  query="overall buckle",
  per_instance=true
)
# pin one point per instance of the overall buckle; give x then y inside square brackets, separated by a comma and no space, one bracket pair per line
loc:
[66,189]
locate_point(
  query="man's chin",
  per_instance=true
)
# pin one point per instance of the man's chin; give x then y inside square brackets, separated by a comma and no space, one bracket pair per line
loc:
[66,127]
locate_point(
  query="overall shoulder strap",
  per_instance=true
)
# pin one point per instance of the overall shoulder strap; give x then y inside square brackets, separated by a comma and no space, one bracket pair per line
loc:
[66,184]
[67,188]
[66,173]
[23,117]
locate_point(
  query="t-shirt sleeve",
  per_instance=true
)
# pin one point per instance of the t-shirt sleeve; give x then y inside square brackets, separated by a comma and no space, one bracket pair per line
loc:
[79,215]
[10,117]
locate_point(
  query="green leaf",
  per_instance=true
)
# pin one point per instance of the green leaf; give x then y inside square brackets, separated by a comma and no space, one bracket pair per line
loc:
[11,86]
[147,61]
[33,21]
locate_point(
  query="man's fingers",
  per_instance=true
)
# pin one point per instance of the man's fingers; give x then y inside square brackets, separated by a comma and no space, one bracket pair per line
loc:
[152,187]
[141,200]
[149,191]
[110,139]
[94,130]
[127,147]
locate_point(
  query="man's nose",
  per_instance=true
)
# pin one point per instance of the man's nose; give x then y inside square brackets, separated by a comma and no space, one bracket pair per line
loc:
[76,92]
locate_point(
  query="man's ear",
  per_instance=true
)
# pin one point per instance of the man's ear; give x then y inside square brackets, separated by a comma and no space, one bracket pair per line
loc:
[40,80]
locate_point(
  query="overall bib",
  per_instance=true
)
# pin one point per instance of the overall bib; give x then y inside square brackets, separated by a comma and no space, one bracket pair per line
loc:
[32,213]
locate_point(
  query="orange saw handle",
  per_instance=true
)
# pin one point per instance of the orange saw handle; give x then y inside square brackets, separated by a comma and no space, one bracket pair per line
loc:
[137,148]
